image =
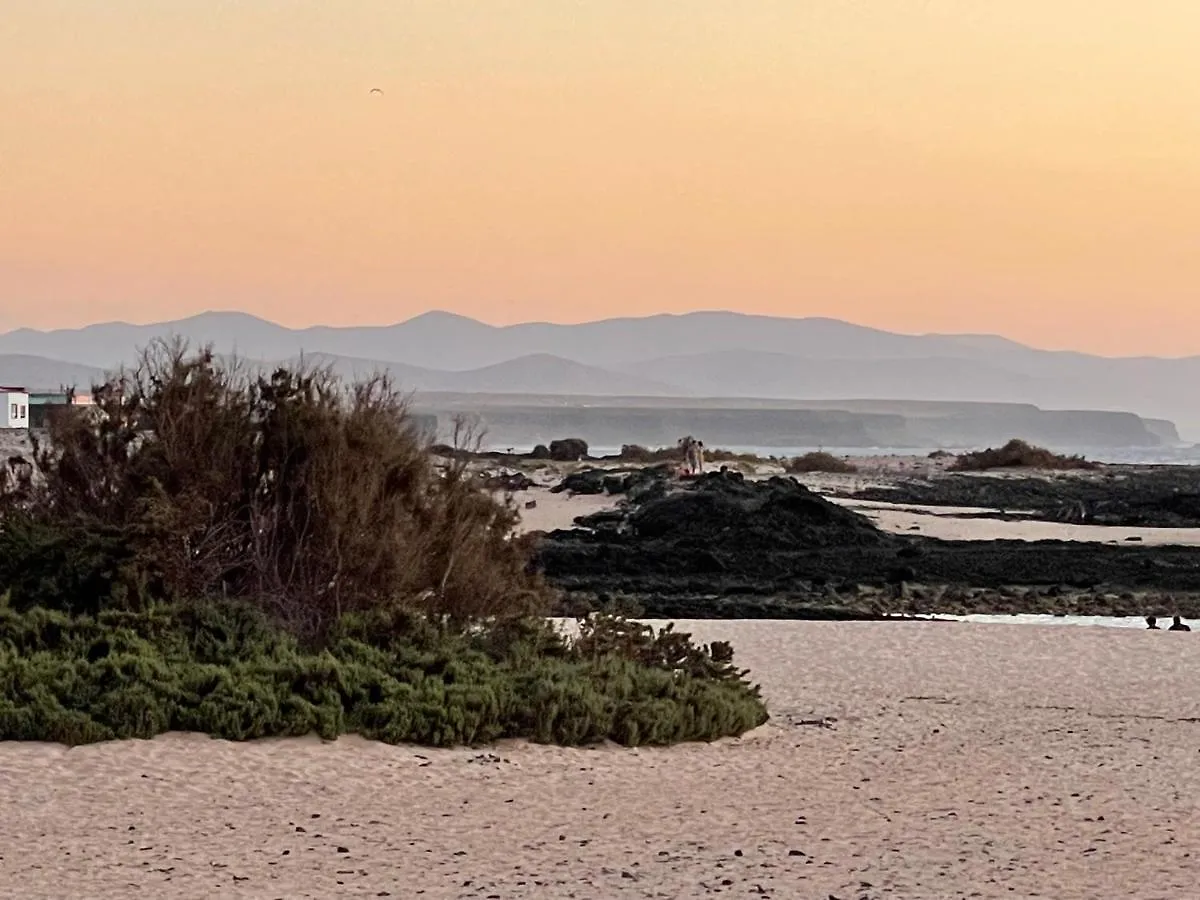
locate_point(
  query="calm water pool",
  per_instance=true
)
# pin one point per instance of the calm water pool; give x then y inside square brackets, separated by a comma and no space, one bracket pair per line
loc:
[1041,619]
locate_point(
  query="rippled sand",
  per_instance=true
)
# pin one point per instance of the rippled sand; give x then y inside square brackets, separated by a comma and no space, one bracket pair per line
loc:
[966,761]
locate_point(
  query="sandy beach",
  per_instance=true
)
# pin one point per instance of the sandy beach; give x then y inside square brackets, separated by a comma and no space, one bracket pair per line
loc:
[965,761]
[910,760]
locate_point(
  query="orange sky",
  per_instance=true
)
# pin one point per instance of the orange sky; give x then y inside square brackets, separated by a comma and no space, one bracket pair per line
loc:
[1028,167]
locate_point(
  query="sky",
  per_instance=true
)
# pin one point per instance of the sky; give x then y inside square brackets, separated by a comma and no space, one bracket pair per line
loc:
[1023,167]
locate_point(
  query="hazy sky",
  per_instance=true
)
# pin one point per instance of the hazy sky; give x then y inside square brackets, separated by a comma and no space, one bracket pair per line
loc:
[1029,167]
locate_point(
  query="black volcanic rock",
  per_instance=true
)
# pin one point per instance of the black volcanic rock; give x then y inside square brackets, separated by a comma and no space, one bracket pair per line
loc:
[638,484]
[736,514]
[568,449]
[722,546]
[717,526]
[1157,496]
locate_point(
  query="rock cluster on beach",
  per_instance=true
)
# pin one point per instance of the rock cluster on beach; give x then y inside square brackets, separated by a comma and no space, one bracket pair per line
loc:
[1159,497]
[635,483]
[740,516]
[728,547]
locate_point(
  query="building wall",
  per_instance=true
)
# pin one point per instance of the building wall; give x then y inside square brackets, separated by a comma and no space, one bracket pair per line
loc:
[42,404]
[14,409]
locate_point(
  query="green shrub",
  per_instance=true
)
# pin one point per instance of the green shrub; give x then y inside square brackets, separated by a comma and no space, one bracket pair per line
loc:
[227,671]
[363,589]
[636,453]
[1018,454]
[818,461]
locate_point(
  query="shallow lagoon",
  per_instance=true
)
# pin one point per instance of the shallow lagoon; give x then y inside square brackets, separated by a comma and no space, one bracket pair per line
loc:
[1045,619]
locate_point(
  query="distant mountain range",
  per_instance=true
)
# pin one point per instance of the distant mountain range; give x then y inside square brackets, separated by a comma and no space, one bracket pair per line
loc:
[702,354]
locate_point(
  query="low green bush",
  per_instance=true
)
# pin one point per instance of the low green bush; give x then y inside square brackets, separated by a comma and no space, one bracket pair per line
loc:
[818,461]
[228,671]
[1018,454]
[636,453]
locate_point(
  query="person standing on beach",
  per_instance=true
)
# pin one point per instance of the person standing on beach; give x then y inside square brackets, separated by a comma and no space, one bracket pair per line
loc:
[685,444]
[693,455]
[1177,625]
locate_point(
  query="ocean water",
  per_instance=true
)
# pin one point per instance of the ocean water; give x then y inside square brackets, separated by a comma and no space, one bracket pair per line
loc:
[1177,456]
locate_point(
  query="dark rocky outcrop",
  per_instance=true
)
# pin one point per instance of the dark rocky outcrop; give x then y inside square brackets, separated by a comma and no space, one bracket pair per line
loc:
[723,546]
[506,481]
[568,450]
[747,516]
[637,484]
[1158,496]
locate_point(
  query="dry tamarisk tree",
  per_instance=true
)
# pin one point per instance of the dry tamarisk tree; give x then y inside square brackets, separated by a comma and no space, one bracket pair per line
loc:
[194,478]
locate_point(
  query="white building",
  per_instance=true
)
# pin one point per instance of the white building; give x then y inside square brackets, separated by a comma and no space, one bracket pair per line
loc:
[14,407]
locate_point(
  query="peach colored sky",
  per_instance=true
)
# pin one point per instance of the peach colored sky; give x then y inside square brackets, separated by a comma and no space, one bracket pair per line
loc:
[1028,167]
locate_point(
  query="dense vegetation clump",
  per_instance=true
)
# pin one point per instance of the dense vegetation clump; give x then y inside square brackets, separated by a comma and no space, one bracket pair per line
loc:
[225,670]
[819,461]
[1018,454]
[636,453]
[247,555]
[303,495]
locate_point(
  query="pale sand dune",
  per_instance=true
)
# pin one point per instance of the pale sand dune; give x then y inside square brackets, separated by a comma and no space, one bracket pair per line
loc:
[967,761]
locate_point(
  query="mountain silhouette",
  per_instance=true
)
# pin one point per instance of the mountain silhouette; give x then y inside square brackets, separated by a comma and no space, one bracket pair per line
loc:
[711,353]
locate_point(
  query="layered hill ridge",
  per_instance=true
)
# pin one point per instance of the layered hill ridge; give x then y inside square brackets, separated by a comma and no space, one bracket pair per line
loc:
[702,354]
[449,341]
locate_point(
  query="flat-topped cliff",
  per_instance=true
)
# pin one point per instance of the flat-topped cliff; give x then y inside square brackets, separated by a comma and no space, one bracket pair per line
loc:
[524,420]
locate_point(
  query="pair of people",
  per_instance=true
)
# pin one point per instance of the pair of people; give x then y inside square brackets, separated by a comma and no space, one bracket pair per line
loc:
[693,455]
[1176,624]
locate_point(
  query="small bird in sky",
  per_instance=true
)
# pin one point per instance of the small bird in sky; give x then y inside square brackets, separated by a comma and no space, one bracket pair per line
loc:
[376,91]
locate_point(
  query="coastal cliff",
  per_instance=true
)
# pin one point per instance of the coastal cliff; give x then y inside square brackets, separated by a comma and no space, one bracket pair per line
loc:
[525,420]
